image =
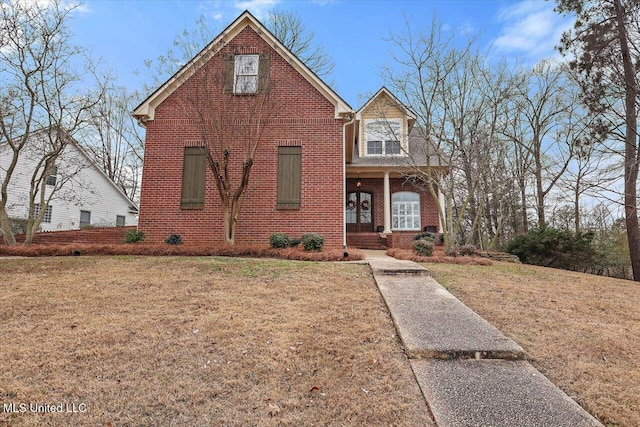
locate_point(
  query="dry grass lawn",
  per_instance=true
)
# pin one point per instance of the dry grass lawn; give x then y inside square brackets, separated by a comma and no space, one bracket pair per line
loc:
[581,331]
[200,342]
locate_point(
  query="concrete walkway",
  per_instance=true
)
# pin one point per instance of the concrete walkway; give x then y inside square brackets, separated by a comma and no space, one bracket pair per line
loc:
[470,373]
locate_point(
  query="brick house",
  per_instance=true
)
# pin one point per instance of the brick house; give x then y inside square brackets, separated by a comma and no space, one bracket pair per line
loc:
[320,167]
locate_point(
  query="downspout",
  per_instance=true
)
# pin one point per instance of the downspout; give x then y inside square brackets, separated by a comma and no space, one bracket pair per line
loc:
[351,118]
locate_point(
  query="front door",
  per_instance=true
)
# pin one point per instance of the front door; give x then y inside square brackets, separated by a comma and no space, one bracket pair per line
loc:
[359,212]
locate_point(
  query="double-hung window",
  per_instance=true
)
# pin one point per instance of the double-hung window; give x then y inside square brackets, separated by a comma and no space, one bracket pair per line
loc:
[383,137]
[51,179]
[245,76]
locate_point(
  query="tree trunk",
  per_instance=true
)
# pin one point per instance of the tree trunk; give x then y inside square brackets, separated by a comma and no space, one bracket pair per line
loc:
[576,207]
[31,229]
[539,190]
[5,223]
[631,151]
[523,201]
[5,226]
[226,222]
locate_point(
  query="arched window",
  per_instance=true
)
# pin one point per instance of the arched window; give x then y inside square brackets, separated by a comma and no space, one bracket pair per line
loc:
[405,211]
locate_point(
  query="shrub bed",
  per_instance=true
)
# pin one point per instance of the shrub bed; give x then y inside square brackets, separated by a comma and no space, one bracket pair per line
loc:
[179,250]
[134,236]
[174,239]
[423,247]
[279,240]
[312,242]
[407,254]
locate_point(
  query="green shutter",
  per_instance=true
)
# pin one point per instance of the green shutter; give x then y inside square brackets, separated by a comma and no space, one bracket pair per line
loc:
[228,66]
[289,177]
[193,178]
[263,72]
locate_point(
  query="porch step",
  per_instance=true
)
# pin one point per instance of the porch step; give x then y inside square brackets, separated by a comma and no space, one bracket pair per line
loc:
[365,241]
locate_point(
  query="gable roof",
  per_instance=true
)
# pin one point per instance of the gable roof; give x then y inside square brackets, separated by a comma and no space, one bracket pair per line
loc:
[133,208]
[146,110]
[411,116]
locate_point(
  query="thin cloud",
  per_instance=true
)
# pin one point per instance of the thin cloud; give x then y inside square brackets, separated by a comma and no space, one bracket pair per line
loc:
[214,9]
[531,28]
[259,8]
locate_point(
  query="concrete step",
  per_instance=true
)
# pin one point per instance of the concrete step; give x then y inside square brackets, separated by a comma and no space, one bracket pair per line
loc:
[399,268]
[497,393]
[432,323]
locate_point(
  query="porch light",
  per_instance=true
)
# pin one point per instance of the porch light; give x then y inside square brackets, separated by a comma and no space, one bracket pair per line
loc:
[358,183]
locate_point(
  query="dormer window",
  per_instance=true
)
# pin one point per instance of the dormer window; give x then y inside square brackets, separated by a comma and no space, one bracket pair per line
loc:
[383,137]
[245,76]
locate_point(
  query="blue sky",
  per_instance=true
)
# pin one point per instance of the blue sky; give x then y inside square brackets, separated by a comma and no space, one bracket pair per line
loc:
[125,33]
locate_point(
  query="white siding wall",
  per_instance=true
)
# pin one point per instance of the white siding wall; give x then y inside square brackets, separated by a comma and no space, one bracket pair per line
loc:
[85,188]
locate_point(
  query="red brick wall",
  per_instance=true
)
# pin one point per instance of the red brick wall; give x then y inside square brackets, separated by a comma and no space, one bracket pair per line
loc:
[307,119]
[107,235]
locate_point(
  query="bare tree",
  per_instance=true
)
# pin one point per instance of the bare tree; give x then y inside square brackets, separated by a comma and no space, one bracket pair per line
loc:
[232,117]
[185,46]
[289,29]
[46,85]
[460,104]
[591,173]
[114,140]
[552,122]
[520,163]
[423,63]
[53,173]
[603,49]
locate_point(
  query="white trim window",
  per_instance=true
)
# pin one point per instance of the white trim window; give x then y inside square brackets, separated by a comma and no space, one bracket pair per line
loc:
[245,75]
[47,215]
[51,179]
[405,211]
[383,137]
[85,219]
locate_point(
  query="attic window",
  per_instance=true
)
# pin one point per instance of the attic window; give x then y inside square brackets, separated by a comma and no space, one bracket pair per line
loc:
[245,76]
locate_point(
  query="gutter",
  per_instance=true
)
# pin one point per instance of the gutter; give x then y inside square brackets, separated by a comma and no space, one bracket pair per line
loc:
[350,120]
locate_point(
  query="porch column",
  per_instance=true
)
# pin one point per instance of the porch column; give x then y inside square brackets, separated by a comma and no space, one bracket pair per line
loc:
[442,206]
[387,204]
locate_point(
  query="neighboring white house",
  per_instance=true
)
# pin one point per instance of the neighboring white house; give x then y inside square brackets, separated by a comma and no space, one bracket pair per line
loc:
[84,195]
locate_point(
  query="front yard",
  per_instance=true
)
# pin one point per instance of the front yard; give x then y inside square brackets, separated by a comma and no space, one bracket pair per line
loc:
[132,340]
[582,331]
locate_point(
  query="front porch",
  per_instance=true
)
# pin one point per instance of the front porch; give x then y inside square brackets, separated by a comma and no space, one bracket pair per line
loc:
[383,210]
